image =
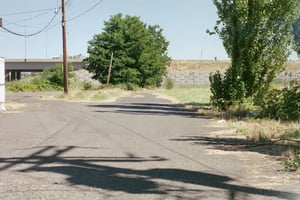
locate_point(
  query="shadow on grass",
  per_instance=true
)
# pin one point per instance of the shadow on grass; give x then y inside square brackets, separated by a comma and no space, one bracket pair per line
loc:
[91,172]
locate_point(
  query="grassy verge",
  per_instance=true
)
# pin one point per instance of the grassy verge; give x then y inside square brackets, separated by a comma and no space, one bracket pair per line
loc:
[284,138]
[195,96]
[103,95]
[78,91]
[21,86]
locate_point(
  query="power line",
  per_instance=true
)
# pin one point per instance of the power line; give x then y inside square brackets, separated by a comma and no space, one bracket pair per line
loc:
[26,12]
[85,12]
[54,25]
[31,34]
[68,3]
[27,19]
[77,16]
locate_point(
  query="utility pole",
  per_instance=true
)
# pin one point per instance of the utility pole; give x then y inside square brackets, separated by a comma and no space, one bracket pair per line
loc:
[109,69]
[65,61]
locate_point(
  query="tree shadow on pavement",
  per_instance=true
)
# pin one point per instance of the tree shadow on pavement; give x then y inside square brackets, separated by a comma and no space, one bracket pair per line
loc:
[91,172]
[237,144]
[161,109]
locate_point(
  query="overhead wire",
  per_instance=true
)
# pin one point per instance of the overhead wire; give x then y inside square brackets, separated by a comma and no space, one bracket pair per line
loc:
[16,23]
[77,16]
[48,25]
[85,12]
[68,3]
[35,33]
[26,12]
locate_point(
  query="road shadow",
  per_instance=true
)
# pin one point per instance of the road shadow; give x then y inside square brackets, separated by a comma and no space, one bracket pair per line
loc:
[160,109]
[239,144]
[91,172]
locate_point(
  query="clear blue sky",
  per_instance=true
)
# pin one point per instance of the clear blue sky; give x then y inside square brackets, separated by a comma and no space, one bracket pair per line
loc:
[184,23]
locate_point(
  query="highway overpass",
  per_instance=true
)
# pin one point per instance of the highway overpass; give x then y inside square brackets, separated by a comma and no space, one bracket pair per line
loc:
[14,67]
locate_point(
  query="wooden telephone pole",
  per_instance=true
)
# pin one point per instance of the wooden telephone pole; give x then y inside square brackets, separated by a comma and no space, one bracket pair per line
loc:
[109,69]
[64,35]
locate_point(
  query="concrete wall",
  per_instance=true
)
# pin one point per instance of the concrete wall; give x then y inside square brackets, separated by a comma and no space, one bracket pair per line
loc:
[202,77]
[189,77]
[289,75]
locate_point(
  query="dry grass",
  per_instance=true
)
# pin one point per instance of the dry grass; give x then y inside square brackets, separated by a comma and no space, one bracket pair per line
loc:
[211,65]
[268,130]
[293,66]
[103,95]
[198,65]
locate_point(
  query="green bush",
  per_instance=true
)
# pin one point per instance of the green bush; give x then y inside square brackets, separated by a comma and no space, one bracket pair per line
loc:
[49,80]
[169,84]
[87,85]
[44,84]
[281,104]
[226,90]
[291,103]
[218,97]
[55,75]
[18,86]
[131,86]
[291,134]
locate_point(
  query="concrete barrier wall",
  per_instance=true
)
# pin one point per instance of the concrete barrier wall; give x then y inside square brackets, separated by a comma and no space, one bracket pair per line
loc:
[289,75]
[202,77]
[189,77]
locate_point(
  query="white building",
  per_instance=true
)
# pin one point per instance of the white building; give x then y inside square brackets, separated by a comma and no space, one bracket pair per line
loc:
[2,84]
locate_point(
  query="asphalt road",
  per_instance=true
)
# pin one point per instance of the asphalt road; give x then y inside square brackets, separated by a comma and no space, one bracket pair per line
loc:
[139,147]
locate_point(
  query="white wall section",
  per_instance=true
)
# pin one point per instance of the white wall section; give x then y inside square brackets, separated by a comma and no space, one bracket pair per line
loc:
[2,84]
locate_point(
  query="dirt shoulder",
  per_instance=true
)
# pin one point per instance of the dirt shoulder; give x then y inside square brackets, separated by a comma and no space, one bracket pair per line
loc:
[262,162]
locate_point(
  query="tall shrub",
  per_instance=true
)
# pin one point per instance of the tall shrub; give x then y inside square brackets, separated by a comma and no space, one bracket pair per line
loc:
[256,35]
[140,52]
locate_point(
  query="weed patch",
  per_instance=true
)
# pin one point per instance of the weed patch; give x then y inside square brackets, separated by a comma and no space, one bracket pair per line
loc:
[292,163]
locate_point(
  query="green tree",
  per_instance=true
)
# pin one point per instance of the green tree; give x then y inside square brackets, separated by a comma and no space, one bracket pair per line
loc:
[296,31]
[140,52]
[257,35]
